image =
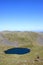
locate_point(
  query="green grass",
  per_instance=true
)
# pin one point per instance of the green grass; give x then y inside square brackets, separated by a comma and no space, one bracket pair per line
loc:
[27,59]
[27,40]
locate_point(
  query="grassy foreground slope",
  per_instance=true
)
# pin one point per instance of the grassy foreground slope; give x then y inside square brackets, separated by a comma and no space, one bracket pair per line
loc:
[24,39]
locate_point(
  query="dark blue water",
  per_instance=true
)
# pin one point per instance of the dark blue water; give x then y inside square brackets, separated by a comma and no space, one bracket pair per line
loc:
[17,51]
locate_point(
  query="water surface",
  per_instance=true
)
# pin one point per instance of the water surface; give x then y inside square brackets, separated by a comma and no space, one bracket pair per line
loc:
[17,51]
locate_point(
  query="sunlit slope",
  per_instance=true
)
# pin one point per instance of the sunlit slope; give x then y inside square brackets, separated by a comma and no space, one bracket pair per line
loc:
[25,38]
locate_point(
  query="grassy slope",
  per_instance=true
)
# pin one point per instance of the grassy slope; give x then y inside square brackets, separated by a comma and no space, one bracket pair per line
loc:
[28,40]
[25,38]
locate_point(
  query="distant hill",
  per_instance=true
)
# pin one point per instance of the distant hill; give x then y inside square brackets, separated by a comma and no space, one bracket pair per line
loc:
[22,38]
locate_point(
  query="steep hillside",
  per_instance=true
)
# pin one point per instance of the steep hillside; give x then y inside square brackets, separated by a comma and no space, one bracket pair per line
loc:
[22,38]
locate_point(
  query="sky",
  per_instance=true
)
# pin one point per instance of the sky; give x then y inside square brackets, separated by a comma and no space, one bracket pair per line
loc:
[21,15]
